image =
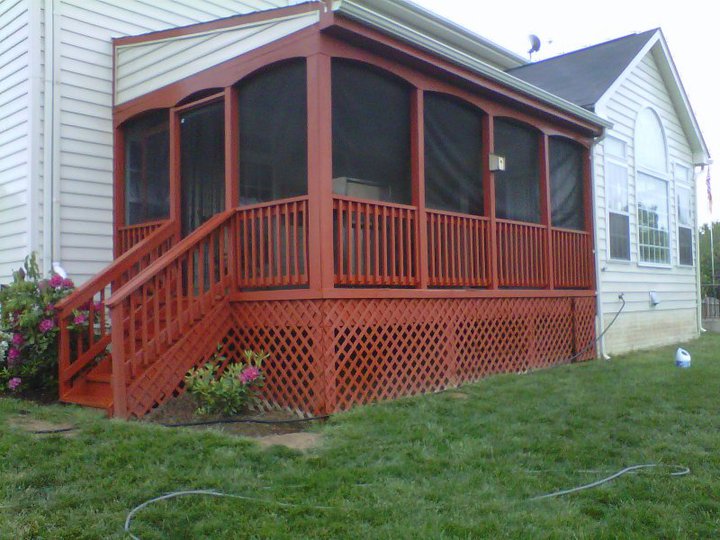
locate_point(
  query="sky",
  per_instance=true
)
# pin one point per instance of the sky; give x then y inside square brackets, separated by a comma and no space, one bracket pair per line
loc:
[690,27]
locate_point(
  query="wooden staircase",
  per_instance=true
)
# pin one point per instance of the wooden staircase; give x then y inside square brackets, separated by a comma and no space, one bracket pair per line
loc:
[164,297]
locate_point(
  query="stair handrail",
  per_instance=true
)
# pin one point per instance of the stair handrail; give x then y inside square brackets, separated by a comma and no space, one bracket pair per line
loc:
[183,246]
[114,271]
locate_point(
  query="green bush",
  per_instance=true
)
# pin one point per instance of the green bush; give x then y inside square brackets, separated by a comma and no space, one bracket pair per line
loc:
[29,329]
[226,392]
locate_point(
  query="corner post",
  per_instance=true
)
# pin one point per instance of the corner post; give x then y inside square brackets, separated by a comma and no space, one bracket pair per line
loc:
[546,208]
[417,146]
[489,199]
[321,264]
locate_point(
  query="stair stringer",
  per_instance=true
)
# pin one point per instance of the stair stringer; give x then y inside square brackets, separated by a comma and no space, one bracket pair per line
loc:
[163,379]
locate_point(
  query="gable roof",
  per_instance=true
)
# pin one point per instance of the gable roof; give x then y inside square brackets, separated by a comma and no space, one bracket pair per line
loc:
[582,77]
[588,77]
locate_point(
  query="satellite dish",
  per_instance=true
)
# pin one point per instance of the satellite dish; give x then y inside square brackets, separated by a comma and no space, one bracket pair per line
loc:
[534,44]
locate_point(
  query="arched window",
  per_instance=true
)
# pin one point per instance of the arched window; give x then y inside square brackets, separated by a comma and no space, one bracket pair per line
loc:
[517,188]
[566,183]
[371,133]
[273,133]
[147,181]
[453,155]
[651,189]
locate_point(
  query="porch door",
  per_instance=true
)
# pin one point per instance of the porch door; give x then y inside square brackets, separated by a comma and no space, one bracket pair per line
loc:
[202,167]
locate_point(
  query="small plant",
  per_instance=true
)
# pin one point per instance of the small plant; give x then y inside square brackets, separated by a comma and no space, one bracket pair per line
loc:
[226,391]
[29,329]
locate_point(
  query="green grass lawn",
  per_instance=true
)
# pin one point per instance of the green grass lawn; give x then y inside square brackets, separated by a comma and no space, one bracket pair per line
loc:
[428,467]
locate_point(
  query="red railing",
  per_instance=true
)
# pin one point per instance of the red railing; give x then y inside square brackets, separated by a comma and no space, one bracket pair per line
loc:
[572,259]
[458,250]
[272,244]
[128,236]
[521,254]
[152,311]
[374,243]
[82,318]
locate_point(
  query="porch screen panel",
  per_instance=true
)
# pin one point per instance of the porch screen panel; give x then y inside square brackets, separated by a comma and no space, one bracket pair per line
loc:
[453,155]
[566,184]
[517,188]
[273,134]
[147,181]
[371,133]
[202,149]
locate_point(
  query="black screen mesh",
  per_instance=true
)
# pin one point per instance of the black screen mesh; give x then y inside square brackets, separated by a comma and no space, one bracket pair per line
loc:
[566,184]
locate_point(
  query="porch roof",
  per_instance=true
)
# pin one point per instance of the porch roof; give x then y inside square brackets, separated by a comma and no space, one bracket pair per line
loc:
[237,35]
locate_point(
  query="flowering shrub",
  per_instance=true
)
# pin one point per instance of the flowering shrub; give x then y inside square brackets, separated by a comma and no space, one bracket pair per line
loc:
[29,329]
[229,392]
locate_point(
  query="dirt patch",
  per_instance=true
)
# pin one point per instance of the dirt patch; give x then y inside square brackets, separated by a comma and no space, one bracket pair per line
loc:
[31,425]
[457,395]
[299,441]
[181,410]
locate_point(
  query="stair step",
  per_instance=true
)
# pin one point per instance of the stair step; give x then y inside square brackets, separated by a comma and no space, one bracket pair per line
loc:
[90,394]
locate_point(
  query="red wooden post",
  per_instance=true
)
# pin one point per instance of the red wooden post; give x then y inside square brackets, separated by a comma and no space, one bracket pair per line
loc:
[320,188]
[118,189]
[589,217]
[119,375]
[417,145]
[546,210]
[174,170]
[489,200]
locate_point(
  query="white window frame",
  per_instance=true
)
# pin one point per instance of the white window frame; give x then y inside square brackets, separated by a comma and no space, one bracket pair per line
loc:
[656,174]
[619,160]
[684,182]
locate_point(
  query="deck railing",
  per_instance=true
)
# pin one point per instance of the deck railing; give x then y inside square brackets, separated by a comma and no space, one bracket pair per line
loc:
[374,243]
[458,250]
[572,259]
[522,261]
[82,318]
[130,235]
[272,244]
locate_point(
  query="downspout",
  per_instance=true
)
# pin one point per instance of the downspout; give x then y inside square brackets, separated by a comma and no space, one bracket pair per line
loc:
[49,198]
[596,250]
[34,156]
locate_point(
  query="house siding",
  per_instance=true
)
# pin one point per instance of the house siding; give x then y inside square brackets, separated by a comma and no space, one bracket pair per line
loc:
[83,73]
[675,318]
[15,119]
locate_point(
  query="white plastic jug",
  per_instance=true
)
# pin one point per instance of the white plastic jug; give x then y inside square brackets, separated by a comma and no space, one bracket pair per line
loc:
[682,358]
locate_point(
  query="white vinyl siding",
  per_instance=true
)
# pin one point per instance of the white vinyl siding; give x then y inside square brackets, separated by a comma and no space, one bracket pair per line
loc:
[675,317]
[138,66]
[15,119]
[83,60]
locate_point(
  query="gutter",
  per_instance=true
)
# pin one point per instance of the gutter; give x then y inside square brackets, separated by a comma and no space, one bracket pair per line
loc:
[375,13]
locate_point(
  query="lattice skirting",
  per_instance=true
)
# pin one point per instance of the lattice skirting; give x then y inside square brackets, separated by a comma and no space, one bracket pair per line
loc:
[328,355]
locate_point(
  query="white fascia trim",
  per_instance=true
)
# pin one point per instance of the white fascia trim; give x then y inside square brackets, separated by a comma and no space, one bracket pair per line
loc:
[407,31]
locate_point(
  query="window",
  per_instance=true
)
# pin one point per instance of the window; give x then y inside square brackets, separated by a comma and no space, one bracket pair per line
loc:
[566,184]
[616,180]
[453,155]
[651,189]
[517,188]
[273,134]
[653,223]
[371,133]
[147,183]
[684,217]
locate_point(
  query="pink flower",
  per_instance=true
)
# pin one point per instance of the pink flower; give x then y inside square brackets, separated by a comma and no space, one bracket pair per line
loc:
[56,281]
[13,356]
[98,305]
[14,383]
[249,374]
[50,308]
[80,318]
[68,283]
[17,340]
[46,325]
